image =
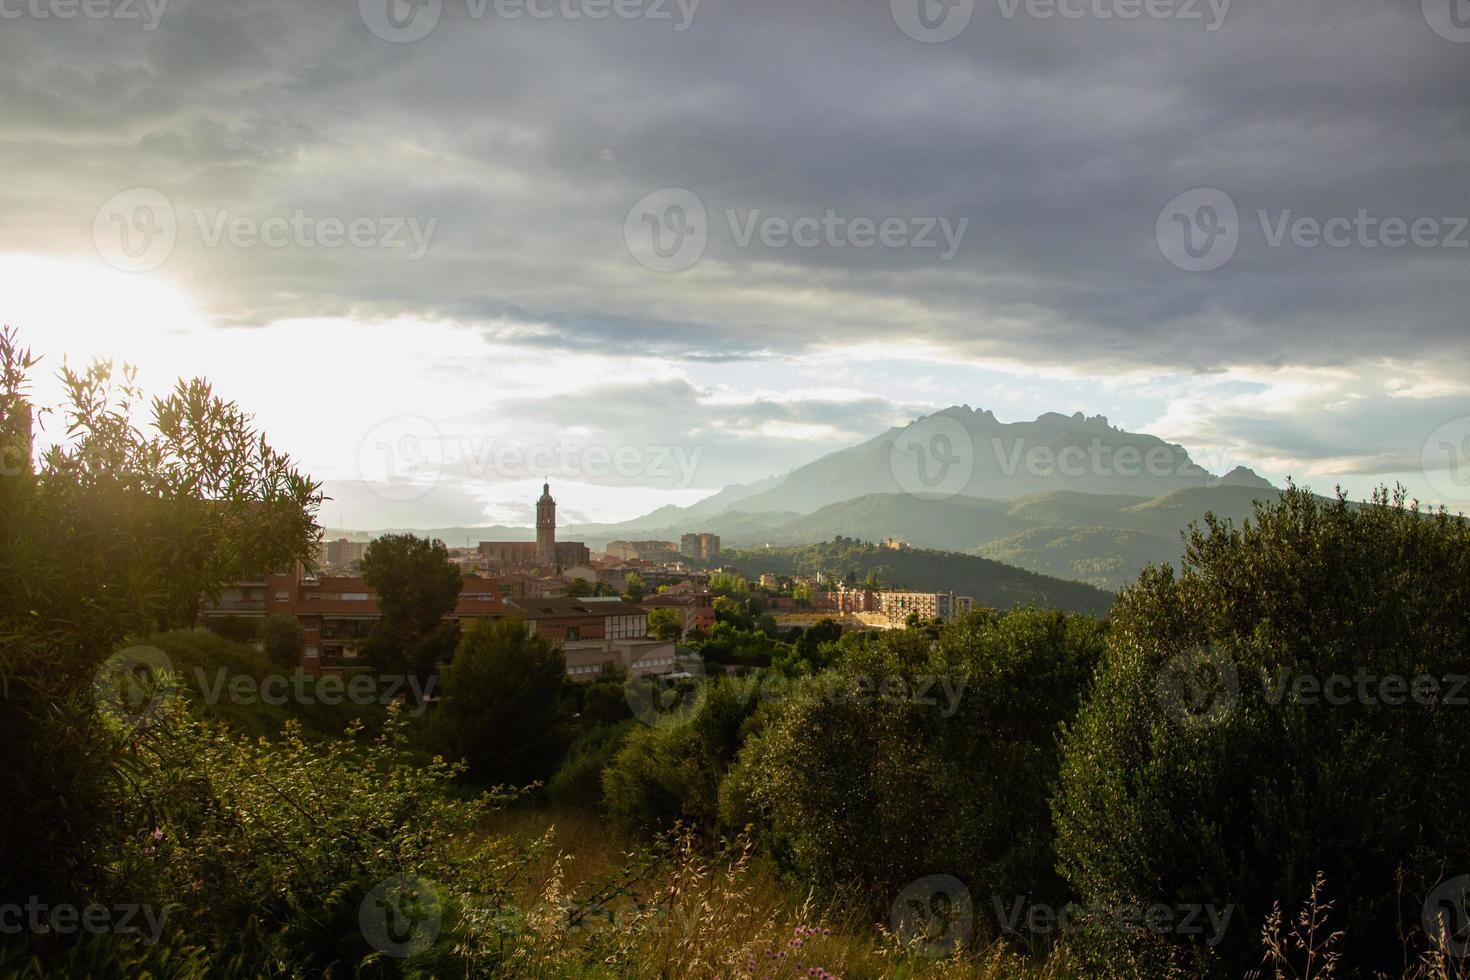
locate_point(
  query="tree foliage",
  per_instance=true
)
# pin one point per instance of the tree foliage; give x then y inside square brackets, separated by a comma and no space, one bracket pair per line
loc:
[116,531]
[416,587]
[1194,774]
[504,708]
[664,775]
[913,757]
[282,638]
[665,623]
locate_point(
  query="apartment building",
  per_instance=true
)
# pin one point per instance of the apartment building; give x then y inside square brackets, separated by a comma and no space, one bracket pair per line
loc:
[338,612]
[596,633]
[701,546]
[897,605]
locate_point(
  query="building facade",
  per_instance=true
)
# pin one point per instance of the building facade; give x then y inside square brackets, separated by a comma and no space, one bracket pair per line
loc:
[897,605]
[337,612]
[596,634]
[545,552]
[656,551]
[701,546]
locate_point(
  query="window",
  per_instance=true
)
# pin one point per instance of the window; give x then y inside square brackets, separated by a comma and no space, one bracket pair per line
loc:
[310,653]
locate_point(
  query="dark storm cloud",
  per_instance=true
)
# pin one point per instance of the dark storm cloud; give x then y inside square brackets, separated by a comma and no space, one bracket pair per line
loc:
[528,141]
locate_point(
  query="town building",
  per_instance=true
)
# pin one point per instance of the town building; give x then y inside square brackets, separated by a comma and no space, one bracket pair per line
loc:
[337,612]
[597,633]
[343,553]
[545,552]
[655,551]
[896,605]
[696,607]
[701,546]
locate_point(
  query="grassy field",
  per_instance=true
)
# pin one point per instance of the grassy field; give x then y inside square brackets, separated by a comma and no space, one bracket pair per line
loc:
[612,907]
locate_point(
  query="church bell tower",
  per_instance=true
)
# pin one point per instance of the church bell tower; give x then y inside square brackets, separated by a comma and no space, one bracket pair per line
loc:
[546,527]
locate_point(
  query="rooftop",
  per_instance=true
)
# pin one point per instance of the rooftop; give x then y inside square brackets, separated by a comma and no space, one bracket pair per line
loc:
[567,608]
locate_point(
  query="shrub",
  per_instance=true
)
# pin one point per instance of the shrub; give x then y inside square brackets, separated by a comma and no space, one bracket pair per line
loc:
[578,782]
[1197,777]
[282,638]
[270,849]
[241,629]
[856,781]
[115,533]
[665,775]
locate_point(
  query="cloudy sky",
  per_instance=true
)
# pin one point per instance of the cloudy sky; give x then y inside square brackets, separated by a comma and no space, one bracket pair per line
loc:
[647,248]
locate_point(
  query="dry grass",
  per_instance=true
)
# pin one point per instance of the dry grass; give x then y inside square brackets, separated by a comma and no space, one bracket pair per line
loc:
[603,906]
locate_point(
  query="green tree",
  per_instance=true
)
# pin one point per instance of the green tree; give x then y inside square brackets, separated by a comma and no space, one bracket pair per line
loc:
[815,648]
[416,587]
[723,584]
[241,629]
[282,638]
[634,585]
[504,710]
[662,775]
[728,610]
[1196,774]
[912,756]
[665,623]
[115,532]
[578,780]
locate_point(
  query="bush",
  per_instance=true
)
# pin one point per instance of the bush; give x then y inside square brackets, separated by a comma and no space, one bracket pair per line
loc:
[1187,779]
[240,629]
[206,664]
[282,638]
[578,782]
[270,849]
[855,781]
[665,775]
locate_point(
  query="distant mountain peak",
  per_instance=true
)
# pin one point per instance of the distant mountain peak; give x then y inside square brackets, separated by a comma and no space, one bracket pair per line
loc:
[993,460]
[1244,476]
